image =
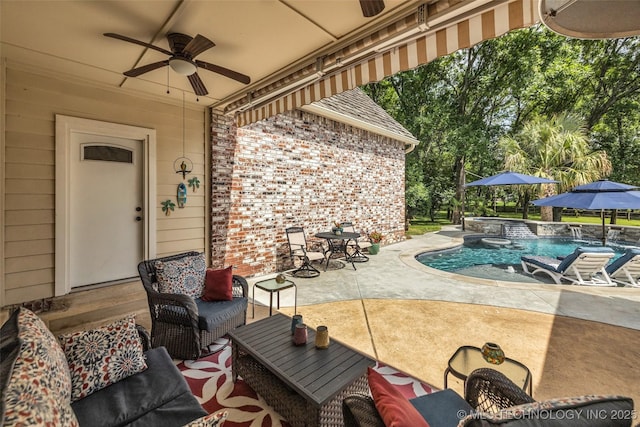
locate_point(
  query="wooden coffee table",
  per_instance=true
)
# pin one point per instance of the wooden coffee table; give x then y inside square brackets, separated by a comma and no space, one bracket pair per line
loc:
[304,384]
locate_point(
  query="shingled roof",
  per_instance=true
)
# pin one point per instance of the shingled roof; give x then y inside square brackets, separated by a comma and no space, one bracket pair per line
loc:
[354,107]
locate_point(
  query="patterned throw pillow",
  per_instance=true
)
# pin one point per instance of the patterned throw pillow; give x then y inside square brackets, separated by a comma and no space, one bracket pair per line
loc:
[182,276]
[102,356]
[39,388]
[212,420]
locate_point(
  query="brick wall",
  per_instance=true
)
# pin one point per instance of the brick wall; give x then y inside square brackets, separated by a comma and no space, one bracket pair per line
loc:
[298,169]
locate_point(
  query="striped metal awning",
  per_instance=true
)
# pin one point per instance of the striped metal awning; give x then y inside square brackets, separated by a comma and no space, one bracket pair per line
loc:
[434,30]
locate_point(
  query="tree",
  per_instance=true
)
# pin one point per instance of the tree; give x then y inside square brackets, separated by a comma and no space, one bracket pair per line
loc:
[461,105]
[555,148]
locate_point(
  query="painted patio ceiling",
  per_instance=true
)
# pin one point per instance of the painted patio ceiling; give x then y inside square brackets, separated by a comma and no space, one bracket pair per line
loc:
[294,51]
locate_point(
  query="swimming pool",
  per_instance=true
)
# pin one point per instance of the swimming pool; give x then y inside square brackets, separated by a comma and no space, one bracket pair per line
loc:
[479,259]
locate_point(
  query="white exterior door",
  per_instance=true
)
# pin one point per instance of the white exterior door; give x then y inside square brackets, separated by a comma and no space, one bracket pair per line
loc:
[106,208]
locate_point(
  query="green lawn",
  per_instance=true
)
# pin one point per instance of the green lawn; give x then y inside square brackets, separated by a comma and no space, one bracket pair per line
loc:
[421,225]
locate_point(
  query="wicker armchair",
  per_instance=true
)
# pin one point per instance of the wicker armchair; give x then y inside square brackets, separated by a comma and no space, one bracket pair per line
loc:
[484,389]
[186,326]
[488,390]
[492,400]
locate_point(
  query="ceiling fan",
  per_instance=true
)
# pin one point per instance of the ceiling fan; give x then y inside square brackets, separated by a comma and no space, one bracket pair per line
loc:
[182,60]
[371,8]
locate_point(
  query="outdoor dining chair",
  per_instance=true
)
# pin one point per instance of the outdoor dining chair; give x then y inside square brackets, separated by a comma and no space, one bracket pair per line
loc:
[299,251]
[357,245]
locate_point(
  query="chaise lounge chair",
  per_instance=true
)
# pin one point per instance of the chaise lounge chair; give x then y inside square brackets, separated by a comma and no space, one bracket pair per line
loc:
[626,269]
[585,266]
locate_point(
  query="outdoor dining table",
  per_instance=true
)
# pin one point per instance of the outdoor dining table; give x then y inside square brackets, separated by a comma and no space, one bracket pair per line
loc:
[338,244]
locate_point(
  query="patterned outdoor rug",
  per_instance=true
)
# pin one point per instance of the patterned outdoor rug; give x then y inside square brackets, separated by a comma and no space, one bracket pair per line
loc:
[210,381]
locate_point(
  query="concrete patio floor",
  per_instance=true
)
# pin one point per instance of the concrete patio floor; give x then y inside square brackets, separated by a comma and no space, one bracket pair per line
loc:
[574,339]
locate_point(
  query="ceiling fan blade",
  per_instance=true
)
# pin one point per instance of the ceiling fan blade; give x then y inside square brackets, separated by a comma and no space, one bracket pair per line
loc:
[197,85]
[138,42]
[197,45]
[146,68]
[371,7]
[224,71]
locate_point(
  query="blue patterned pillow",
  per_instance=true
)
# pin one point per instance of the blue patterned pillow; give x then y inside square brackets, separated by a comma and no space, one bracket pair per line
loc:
[182,276]
[102,356]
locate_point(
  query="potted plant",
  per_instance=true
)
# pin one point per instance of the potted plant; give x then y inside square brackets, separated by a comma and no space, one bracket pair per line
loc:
[375,237]
[337,228]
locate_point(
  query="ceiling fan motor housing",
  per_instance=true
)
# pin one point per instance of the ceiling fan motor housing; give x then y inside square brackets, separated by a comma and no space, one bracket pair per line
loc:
[182,66]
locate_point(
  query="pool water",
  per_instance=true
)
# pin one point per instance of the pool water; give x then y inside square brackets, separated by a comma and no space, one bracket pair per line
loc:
[475,253]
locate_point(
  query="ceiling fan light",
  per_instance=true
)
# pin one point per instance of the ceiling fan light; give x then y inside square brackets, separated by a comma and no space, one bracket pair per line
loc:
[182,66]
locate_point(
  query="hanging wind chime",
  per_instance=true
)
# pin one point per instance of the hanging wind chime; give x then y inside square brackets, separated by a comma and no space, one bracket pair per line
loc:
[183,165]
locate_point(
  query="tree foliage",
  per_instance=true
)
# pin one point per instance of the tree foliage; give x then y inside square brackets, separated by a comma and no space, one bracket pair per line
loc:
[555,148]
[463,105]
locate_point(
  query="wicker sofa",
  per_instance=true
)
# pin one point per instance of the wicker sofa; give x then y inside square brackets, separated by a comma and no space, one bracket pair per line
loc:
[491,399]
[42,385]
[187,324]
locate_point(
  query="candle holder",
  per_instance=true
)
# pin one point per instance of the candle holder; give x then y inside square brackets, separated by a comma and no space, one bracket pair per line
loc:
[300,335]
[295,320]
[322,337]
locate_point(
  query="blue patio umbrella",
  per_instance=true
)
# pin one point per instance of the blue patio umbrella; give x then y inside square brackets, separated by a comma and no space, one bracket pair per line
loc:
[598,195]
[510,178]
[507,178]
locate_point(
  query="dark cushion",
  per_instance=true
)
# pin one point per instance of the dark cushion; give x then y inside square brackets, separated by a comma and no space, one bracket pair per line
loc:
[569,259]
[212,314]
[615,265]
[161,388]
[443,408]
[9,350]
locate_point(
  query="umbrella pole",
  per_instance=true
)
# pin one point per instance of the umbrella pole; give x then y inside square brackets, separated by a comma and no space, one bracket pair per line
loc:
[604,231]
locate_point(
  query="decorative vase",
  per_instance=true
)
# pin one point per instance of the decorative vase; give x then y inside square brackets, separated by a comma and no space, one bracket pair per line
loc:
[280,279]
[492,353]
[336,230]
[322,337]
[295,321]
[300,334]
[374,248]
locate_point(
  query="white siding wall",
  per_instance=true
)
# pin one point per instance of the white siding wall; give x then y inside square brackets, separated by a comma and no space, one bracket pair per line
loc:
[31,102]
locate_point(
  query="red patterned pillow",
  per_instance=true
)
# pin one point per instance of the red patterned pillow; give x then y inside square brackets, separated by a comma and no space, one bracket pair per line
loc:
[102,356]
[38,390]
[212,420]
[395,409]
[218,285]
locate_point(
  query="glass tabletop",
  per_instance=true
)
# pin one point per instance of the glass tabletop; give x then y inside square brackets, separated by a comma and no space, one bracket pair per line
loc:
[271,285]
[467,359]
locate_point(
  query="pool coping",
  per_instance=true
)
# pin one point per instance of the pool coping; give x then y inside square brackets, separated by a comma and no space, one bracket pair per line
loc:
[408,257]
